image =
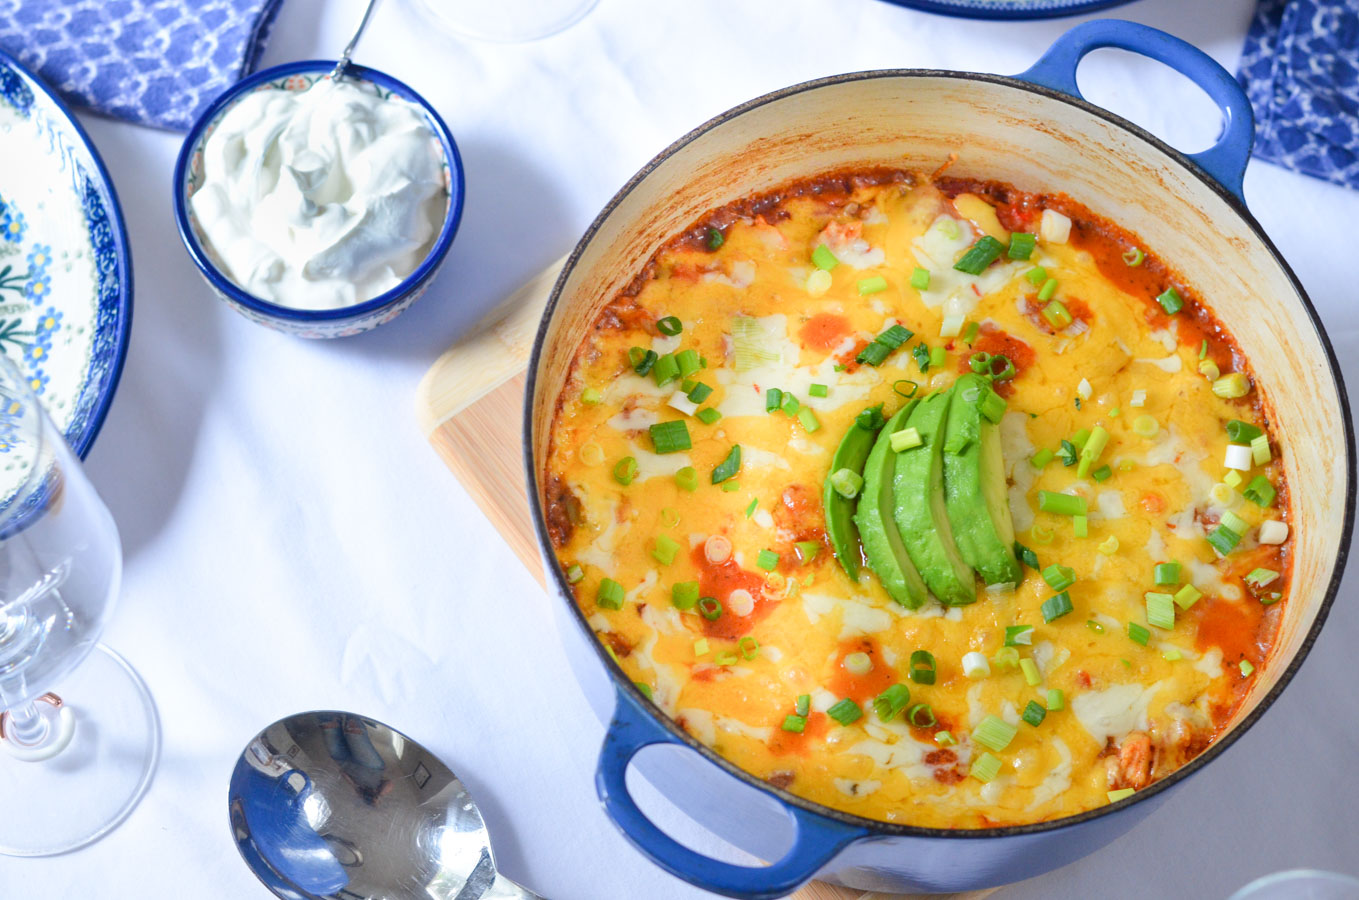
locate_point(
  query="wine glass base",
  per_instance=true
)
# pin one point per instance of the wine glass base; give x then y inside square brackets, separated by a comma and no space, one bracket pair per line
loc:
[505,21]
[84,792]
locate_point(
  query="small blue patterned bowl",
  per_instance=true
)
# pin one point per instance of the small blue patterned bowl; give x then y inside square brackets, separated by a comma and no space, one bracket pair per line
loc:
[308,323]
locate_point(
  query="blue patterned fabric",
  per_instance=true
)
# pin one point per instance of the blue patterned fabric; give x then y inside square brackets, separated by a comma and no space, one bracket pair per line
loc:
[155,62]
[1301,70]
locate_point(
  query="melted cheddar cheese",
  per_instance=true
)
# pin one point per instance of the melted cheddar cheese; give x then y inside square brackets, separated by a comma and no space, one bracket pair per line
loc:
[1130,713]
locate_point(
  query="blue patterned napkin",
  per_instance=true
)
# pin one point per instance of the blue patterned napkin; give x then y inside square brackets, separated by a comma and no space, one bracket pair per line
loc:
[1301,69]
[155,62]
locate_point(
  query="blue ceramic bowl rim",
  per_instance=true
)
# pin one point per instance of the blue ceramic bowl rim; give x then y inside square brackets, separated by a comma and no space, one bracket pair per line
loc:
[1014,13]
[94,421]
[432,260]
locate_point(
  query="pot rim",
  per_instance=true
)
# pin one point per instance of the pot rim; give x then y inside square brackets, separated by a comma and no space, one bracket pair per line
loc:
[874,826]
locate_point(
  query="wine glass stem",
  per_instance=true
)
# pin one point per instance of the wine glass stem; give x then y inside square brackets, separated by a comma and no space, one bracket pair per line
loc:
[26,726]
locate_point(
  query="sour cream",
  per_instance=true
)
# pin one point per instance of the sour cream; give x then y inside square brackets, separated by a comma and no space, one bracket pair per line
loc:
[323,198]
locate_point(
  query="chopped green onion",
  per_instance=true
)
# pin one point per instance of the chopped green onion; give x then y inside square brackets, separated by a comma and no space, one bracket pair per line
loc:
[1053,314]
[970,335]
[905,439]
[1203,349]
[1271,598]
[1146,426]
[794,724]
[748,647]
[728,467]
[1224,539]
[1120,794]
[1021,245]
[1232,386]
[1261,577]
[891,702]
[817,390]
[590,396]
[1232,478]
[644,688]
[1166,573]
[1005,658]
[669,326]
[1036,276]
[921,716]
[687,478]
[1094,626]
[699,392]
[708,415]
[920,279]
[715,239]
[574,574]
[671,437]
[669,517]
[994,733]
[1094,446]
[875,285]
[730,487]
[1068,453]
[1170,301]
[1138,633]
[874,354]
[1103,473]
[923,668]
[701,647]
[1034,714]
[688,362]
[684,595]
[791,405]
[938,356]
[807,417]
[1080,526]
[806,550]
[901,392]
[665,370]
[985,768]
[1239,432]
[1056,699]
[665,550]
[610,594]
[1173,654]
[1026,556]
[1079,438]
[1133,257]
[1018,635]
[1108,546]
[1187,596]
[993,406]
[767,560]
[1259,450]
[1059,578]
[642,360]
[823,258]
[1246,668]
[773,400]
[1160,610]
[625,470]
[725,658]
[846,712]
[803,704]
[945,738]
[895,336]
[1208,369]
[980,255]
[1030,670]
[1061,504]
[754,504]
[870,419]
[1041,458]
[921,353]
[709,608]
[846,483]
[1056,606]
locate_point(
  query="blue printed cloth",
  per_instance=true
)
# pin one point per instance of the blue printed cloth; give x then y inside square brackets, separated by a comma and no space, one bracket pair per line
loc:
[155,62]
[1301,70]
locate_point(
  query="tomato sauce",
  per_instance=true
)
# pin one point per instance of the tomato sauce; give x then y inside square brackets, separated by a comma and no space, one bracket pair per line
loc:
[786,742]
[824,332]
[861,688]
[996,342]
[718,581]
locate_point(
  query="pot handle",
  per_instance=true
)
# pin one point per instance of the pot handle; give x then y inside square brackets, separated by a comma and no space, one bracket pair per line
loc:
[1226,160]
[819,838]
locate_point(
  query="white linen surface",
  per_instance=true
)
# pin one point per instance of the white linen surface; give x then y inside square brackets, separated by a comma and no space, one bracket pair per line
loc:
[293,543]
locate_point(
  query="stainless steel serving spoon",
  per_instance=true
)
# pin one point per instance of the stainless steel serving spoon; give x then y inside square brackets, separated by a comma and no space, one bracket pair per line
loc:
[335,806]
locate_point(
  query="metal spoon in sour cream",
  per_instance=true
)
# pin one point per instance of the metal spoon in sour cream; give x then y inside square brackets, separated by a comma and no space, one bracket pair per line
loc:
[323,198]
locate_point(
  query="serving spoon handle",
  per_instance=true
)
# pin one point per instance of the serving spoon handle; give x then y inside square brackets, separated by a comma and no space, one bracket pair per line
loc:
[338,72]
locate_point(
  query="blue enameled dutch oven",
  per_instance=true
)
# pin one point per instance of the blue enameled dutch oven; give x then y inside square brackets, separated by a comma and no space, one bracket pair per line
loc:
[1032,130]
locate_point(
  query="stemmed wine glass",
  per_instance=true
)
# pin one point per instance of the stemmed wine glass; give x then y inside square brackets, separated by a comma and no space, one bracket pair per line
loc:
[73,765]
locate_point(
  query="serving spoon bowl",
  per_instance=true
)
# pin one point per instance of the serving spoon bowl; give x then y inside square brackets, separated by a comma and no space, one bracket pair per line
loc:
[329,805]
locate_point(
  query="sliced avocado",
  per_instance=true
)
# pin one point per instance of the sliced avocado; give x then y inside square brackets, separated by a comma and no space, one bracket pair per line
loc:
[921,515]
[883,547]
[975,491]
[851,454]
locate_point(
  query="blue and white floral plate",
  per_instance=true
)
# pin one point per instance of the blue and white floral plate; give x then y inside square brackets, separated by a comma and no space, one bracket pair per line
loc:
[65,271]
[1010,9]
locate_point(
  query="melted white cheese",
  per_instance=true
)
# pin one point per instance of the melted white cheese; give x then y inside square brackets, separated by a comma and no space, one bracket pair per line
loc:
[1114,712]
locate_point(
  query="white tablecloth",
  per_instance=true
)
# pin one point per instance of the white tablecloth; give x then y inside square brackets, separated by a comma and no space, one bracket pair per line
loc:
[293,543]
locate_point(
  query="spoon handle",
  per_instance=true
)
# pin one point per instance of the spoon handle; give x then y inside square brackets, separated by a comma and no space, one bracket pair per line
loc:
[338,71]
[504,889]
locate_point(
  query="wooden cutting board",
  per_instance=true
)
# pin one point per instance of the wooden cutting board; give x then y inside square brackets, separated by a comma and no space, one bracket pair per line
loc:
[470,407]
